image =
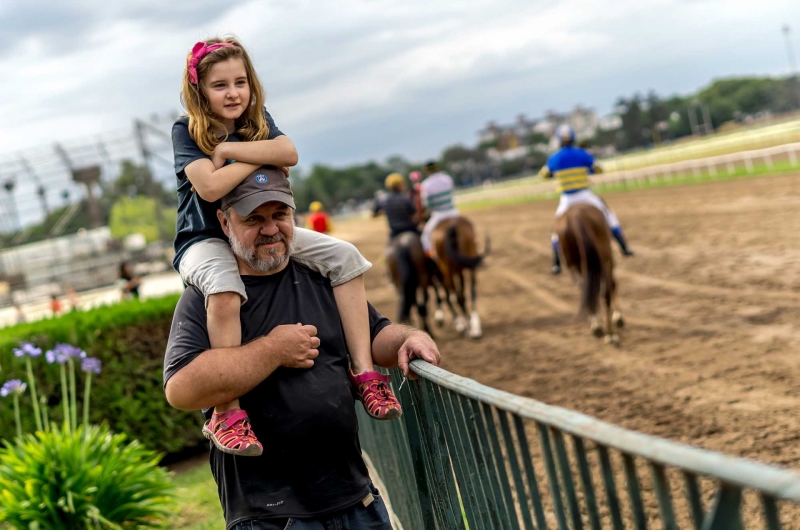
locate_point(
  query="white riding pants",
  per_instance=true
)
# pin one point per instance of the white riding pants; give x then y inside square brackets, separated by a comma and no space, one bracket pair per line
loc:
[436,218]
[586,196]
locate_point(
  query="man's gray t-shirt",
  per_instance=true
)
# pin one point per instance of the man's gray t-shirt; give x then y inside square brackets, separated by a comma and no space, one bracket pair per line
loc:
[306,419]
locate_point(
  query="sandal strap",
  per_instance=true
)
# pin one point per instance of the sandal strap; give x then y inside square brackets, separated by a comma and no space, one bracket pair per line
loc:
[229,419]
[368,377]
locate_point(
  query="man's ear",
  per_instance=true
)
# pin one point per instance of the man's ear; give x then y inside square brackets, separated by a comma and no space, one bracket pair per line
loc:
[223,221]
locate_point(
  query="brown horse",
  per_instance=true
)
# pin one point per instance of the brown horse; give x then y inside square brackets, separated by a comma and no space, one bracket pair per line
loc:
[406,262]
[585,242]
[456,254]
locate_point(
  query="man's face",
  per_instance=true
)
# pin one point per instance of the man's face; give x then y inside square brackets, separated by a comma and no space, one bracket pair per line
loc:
[262,240]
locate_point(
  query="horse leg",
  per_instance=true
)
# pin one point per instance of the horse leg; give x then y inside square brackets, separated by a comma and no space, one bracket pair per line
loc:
[449,287]
[438,314]
[405,302]
[404,310]
[475,329]
[615,318]
[611,337]
[595,326]
[422,310]
[616,315]
[461,320]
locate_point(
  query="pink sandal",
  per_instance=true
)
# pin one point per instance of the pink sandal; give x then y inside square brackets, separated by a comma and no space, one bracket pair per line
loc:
[378,399]
[231,433]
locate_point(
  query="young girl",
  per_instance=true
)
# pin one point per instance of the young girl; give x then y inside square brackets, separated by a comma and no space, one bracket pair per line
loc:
[226,135]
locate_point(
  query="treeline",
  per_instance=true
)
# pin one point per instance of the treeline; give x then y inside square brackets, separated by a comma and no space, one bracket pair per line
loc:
[340,188]
[651,119]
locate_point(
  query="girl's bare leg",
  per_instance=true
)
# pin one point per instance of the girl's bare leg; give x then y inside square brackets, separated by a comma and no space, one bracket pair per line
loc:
[224,329]
[351,299]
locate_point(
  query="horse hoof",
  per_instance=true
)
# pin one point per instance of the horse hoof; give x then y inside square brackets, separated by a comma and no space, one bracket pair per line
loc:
[475,333]
[461,324]
[612,339]
[438,317]
[618,320]
[597,331]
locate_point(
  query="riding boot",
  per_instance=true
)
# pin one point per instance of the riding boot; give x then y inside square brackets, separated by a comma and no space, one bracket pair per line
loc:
[556,270]
[623,245]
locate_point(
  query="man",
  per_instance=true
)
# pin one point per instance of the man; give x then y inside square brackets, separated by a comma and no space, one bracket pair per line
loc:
[436,193]
[318,220]
[290,374]
[571,167]
[399,209]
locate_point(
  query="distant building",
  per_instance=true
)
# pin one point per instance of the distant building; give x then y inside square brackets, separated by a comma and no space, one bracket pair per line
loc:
[612,122]
[490,134]
[510,140]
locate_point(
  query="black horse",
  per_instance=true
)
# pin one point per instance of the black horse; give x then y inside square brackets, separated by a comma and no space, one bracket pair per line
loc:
[411,276]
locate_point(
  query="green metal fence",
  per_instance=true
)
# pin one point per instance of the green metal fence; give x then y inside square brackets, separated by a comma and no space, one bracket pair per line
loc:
[468,456]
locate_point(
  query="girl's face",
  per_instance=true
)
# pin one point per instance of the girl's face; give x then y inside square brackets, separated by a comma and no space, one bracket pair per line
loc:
[227,89]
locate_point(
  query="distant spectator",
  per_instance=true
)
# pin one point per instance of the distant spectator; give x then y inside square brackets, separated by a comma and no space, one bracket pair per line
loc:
[72,298]
[132,282]
[318,220]
[55,305]
[20,316]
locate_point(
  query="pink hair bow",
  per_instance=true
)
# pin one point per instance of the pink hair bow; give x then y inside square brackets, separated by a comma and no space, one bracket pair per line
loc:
[200,50]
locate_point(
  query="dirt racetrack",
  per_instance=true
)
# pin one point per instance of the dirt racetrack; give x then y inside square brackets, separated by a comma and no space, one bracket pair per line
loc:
[712,301]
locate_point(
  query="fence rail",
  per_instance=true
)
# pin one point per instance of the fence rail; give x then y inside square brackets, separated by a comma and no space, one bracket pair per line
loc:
[469,456]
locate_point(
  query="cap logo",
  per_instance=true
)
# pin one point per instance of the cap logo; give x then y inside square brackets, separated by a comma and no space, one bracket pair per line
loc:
[261,179]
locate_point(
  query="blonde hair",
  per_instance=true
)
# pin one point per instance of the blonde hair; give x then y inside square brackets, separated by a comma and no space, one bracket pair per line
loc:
[203,124]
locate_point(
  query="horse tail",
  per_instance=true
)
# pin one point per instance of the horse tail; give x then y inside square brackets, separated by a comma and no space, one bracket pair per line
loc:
[591,266]
[453,254]
[409,281]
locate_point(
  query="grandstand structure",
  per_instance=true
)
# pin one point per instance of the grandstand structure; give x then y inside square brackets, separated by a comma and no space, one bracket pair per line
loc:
[59,182]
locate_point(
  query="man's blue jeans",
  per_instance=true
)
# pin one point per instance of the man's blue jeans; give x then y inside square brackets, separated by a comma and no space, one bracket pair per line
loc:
[373,517]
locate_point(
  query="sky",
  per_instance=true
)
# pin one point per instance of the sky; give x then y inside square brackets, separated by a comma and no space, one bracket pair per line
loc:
[353,80]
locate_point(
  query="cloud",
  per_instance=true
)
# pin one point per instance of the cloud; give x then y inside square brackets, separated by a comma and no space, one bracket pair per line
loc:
[361,70]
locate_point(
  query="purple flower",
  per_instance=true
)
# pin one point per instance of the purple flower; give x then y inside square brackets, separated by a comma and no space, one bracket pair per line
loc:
[61,353]
[11,387]
[53,356]
[27,349]
[90,365]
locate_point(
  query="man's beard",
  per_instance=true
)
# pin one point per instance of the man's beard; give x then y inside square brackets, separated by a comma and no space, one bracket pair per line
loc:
[274,260]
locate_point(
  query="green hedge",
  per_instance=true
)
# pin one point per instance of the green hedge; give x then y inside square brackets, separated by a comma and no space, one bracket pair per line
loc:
[130,339]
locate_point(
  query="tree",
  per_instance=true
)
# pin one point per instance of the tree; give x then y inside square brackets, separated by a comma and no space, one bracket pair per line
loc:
[459,153]
[138,216]
[134,180]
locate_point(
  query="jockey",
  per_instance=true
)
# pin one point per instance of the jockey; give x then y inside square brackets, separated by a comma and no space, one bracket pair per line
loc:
[398,207]
[571,167]
[436,193]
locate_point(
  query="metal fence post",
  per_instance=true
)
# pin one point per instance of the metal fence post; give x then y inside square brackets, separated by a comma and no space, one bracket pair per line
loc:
[793,156]
[414,409]
[724,515]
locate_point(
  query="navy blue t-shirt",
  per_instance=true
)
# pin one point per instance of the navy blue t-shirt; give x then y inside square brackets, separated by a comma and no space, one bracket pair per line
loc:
[197,219]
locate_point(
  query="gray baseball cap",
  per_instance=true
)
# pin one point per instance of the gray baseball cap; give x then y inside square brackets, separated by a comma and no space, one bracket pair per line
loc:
[266,184]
